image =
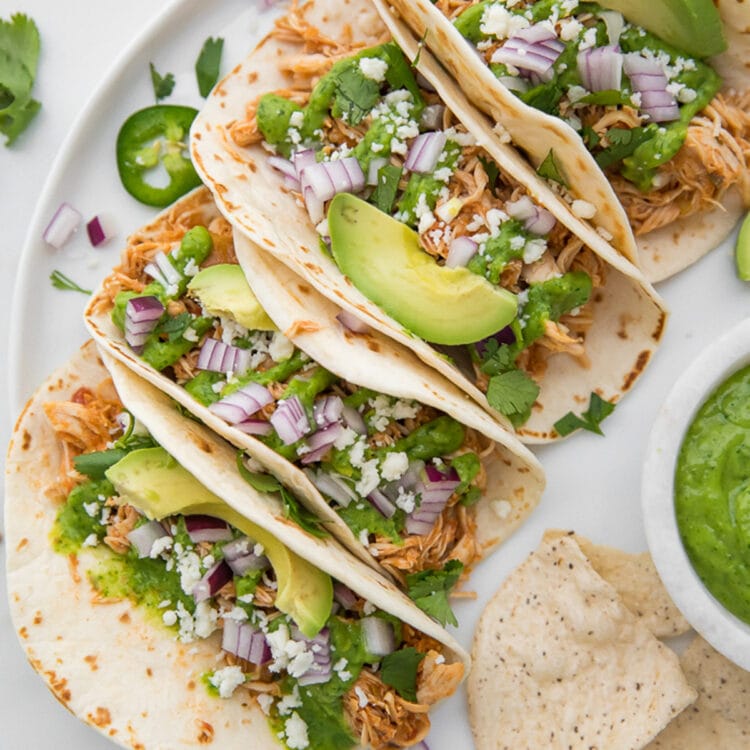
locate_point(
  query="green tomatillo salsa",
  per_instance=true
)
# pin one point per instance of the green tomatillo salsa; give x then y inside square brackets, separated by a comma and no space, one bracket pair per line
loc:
[712,493]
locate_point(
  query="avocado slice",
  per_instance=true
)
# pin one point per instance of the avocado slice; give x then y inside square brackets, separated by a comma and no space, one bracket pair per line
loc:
[154,483]
[223,290]
[690,25]
[742,250]
[383,259]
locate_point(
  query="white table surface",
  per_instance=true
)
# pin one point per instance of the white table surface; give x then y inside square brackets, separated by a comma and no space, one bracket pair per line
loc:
[593,483]
[80,41]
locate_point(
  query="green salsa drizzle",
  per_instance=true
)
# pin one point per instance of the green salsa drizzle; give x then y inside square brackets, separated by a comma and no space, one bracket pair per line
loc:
[712,493]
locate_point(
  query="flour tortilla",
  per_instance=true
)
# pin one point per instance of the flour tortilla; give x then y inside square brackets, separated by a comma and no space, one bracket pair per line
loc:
[515,479]
[107,662]
[560,661]
[659,254]
[629,316]
[720,718]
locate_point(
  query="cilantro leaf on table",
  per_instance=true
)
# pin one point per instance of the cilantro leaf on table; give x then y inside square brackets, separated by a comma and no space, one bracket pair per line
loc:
[399,671]
[590,420]
[163,85]
[429,590]
[512,393]
[61,281]
[208,64]
[19,54]
[549,169]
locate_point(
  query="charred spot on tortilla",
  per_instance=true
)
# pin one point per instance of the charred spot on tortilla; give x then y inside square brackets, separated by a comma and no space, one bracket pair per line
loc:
[124,618]
[101,718]
[91,661]
[26,442]
[659,330]
[37,618]
[640,365]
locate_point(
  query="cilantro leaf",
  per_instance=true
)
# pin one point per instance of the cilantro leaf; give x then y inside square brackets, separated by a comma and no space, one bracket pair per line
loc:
[429,590]
[174,327]
[208,64]
[512,393]
[387,187]
[257,480]
[61,281]
[355,95]
[623,142]
[467,466]
[399,670]
[549,169]
[590,420]
[19,53]
[163,85]
[497,358]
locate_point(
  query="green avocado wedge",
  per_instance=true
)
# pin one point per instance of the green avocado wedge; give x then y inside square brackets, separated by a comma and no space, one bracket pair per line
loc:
[383,259]
[742,250]
[690,25]
[154,483]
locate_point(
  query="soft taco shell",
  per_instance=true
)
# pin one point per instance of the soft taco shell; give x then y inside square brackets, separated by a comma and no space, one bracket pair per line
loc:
[515,478]
[660,253]
[106,661]
[629,315]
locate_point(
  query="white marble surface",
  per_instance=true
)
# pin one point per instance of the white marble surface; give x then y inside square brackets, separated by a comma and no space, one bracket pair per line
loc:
[593,483]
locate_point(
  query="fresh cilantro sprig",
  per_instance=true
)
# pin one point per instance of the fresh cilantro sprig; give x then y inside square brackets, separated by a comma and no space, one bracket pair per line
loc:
[590,420]
[208,64]
[429,590]
[399,671]
[512,393]
[550,170]
[163,85]
[61,281]
[19,54]
[292,509]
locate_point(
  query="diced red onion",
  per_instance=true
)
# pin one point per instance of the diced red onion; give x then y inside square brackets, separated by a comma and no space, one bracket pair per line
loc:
[302,159]
[647,78]
[424,83]
[380,639]
[614,22]
[327,410]
[314,205]
[162,270]
[374,168]
[142,315]
[202,528]
[62,225]
[425,151]
[461,251]
[416,527]
[241,565]
[99,230]
[237,548]
[216,576]
[536,219]
[216,356]
[320,646]
[533,50]
[255,427]
[600,68]
[382,504]
[327,178]
[290,420]
[245,641]
[230,635]
[435,475]
[351,322]
[238,407]
[320,443]
[434,494]
[143,537]
[354,420]
[332,485]
[259,652]
[432,117]
[344,596]
[286,168]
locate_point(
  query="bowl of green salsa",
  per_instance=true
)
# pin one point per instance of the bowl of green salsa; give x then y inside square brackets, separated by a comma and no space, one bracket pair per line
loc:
[696,494]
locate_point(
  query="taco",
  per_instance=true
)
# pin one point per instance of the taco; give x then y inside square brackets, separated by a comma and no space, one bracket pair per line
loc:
[218,622]
[472,251]
[402,467]
[616,105]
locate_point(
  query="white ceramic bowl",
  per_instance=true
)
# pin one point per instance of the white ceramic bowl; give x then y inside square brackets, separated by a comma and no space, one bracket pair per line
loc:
[725,632]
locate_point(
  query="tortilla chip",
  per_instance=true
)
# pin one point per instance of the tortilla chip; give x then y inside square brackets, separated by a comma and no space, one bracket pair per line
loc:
[720,718]
[635,578]
[560,661]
